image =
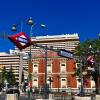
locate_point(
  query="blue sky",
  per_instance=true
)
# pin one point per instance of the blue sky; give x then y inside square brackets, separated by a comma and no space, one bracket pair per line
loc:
[60,16]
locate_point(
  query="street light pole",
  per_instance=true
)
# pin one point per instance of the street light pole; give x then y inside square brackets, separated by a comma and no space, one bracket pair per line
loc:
[20,69]
[14,28]
[30,69]
[81,76]
[45,90]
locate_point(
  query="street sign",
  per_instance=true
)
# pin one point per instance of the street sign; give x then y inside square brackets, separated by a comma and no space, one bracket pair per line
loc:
[20,40]
[65,53]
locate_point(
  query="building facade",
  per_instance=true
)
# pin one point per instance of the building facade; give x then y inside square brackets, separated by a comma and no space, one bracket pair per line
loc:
[60,70]
[10,61]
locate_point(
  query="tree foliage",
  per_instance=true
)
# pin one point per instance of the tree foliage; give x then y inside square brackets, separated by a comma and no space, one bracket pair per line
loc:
[11,77]
[86,49]
[3,75]
[7,75]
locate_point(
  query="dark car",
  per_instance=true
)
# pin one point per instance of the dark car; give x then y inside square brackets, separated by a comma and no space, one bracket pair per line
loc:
[13,91]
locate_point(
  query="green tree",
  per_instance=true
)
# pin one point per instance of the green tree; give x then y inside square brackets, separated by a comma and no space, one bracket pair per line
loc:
[83,51]
[3,75]
[11,77]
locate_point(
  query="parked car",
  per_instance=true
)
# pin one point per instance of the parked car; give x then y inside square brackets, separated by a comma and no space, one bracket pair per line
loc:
[13,91]
[4,89]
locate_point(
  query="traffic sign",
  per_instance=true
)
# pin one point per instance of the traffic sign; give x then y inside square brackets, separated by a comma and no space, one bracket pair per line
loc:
[65,53]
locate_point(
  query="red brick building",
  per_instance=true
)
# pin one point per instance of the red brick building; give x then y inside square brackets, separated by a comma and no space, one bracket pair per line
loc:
[59,69]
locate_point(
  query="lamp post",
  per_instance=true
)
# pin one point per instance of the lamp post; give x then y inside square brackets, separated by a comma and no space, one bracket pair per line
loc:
[45,70]
[81,76]
[46,85]
[30,69]
[20,69]
[14,28]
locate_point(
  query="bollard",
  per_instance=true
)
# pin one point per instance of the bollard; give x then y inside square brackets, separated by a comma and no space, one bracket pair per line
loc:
[11,97]
[82,98]
[97,97]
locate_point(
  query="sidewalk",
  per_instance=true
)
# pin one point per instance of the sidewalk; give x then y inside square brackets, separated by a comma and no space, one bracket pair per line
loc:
[97,97]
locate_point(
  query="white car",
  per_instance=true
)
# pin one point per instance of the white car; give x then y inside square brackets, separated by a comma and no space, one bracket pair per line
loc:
[4,89]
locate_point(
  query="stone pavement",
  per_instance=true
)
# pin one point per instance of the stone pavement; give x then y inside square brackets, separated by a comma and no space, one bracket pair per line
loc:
[97,97]
[87,98]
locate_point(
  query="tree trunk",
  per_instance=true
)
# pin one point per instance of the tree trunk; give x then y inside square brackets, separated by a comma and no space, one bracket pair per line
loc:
[97,85]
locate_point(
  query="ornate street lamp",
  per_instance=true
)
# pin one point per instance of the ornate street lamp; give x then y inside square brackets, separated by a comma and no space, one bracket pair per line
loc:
[14,28]
[31,24]
[30,21]
[30,68]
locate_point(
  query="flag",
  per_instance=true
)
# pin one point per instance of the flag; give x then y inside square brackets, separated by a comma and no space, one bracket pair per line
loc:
[90,59]
[20,40]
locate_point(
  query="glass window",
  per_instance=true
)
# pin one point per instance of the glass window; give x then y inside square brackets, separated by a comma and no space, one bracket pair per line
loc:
[48,65]
[63,67]
[49,68]
[35,68]
[35,65]
[63,83]
[63,80]
[63,64]
[35,79]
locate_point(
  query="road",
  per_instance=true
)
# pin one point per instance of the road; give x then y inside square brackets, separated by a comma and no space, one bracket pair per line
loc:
[2,96]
